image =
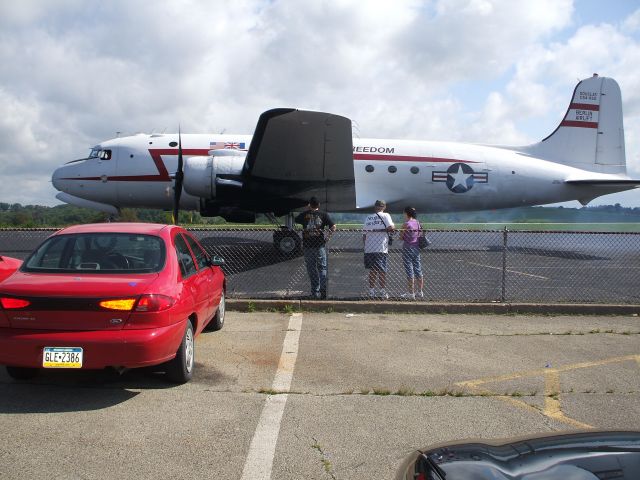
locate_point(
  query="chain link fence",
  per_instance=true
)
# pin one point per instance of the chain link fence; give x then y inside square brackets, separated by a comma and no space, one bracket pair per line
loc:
[458,266]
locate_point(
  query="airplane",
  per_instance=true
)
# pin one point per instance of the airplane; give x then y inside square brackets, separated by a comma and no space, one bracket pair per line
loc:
[295,154]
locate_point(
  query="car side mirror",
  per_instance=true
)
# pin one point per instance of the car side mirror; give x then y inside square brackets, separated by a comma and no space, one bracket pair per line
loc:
[216,261]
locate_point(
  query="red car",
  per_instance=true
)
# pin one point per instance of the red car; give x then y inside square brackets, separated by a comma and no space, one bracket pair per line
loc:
[8,265]
[120,295]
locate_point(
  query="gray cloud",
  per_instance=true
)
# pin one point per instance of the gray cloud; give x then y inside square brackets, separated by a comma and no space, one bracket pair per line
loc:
[76,72]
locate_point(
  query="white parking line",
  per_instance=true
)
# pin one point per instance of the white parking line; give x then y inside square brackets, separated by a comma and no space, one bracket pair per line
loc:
[263,445]
[510,271]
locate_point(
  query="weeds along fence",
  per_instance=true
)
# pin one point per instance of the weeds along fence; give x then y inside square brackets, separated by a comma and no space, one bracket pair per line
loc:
[458,266]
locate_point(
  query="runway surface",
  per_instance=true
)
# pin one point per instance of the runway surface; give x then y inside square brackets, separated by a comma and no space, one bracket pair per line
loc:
[458,266]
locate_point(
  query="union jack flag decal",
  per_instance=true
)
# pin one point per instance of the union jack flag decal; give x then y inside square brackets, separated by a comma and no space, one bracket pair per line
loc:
[226,145]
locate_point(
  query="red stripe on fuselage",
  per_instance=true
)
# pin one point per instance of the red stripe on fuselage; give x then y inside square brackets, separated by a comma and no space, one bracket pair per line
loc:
[156,155]
[584,106]
[406,158]
[163,174]
[578,124]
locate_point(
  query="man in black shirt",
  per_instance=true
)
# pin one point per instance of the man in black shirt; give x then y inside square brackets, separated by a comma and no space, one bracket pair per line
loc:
[314,245]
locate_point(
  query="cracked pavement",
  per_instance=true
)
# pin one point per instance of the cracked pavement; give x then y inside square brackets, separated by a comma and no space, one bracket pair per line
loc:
[367,389]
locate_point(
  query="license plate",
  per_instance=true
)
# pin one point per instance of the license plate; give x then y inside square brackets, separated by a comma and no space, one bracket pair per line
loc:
[62,357]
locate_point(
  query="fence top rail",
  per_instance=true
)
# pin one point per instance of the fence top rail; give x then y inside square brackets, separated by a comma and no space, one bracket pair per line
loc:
[427,230]
[358,230]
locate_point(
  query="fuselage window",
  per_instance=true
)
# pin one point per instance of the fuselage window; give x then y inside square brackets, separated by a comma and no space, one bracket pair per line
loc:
[414,170]
[369,168]
[392,169]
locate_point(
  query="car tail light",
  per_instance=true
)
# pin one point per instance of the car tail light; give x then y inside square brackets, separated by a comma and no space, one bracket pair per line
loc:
[13,303]
[154,303]
[118,304]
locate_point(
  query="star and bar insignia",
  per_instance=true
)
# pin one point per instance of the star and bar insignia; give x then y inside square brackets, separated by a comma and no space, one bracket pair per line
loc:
[460,177]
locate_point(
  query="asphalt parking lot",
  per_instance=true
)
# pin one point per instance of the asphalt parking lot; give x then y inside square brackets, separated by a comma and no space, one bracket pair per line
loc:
[321,396]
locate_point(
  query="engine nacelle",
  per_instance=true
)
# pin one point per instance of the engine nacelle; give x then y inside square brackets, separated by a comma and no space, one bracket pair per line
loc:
[202,175]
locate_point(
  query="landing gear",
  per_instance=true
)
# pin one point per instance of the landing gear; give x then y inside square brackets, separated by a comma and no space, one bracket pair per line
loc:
[286,241]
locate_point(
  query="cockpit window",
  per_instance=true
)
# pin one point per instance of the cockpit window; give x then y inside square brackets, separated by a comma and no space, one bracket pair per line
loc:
[100,153]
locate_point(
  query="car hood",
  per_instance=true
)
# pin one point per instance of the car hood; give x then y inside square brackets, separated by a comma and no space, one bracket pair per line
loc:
[580,456]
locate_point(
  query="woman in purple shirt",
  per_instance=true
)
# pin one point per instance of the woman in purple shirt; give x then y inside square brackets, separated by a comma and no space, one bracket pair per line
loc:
[411,254]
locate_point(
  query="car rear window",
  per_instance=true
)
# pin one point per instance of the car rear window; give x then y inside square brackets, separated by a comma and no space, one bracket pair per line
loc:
[98,253]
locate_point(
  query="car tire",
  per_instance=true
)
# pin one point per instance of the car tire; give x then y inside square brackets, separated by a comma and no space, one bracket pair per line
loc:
[180,369]
[217,322]
[22,373]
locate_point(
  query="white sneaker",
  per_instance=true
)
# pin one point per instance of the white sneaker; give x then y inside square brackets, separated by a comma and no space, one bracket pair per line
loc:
[420,294]
[384,295]
[408,296]
[372,293]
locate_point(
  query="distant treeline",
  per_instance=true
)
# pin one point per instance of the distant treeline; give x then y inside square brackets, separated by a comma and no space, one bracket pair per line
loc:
[15,215]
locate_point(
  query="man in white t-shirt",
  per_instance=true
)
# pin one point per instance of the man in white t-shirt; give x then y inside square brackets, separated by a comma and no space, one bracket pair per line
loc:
[377,228]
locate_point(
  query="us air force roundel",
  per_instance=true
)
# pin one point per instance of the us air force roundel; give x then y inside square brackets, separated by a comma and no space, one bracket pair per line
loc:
[459,177]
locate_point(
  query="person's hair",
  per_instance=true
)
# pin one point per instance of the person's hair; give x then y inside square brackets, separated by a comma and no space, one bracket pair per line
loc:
[313,202]
[410,211]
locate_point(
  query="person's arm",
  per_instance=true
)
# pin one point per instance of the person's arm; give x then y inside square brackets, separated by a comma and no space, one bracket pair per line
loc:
[300,217]
[404,231]
[364,233]
[391,226]
[330,223]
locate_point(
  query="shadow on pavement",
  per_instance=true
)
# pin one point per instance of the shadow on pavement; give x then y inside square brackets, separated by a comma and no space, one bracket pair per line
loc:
[67,391]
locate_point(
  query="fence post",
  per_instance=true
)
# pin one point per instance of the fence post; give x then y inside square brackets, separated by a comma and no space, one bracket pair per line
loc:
[504,265]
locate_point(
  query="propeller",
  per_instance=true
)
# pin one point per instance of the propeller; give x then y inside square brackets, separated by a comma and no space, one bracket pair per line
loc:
[178,184]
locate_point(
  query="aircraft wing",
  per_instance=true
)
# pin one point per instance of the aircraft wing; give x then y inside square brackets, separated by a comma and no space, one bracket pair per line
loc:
[295,154]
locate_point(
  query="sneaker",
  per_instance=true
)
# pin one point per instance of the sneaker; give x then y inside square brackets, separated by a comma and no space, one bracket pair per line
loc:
[384,295]
[372,293]
[408,296]
[420,294]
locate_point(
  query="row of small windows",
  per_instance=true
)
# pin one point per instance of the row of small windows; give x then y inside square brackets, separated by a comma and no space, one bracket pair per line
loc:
[391,169]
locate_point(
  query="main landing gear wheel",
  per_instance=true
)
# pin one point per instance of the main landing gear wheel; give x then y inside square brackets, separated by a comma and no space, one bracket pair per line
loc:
[287,243]
[180,369]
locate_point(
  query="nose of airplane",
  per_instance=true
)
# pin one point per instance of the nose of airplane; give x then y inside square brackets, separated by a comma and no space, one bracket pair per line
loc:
[56,179]
[62,177]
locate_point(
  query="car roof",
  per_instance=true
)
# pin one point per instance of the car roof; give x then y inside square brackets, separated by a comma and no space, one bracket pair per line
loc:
[119,227]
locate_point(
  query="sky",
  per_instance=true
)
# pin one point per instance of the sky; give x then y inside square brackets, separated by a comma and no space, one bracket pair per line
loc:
[75,72]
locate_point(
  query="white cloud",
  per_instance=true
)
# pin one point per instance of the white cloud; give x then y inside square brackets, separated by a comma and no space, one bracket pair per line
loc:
[76,72]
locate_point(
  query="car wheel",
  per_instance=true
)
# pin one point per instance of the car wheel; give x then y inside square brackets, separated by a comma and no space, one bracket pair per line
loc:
[180,369]
[217,322]
[22,373]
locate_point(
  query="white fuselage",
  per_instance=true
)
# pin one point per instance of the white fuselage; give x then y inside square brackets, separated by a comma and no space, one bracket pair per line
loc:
[430,176]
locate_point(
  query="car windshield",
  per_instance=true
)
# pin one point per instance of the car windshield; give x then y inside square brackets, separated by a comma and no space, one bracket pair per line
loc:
[98,253]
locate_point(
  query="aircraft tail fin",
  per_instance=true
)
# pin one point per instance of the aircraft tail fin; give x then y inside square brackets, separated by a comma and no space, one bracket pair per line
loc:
[591,134]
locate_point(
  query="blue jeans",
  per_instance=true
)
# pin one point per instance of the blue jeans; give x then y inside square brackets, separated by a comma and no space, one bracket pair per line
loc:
[411,261]
[316,261]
